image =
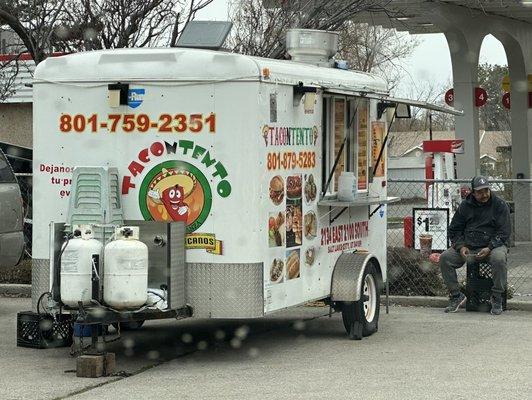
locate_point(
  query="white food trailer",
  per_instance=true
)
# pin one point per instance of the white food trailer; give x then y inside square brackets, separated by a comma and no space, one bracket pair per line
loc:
[243,153]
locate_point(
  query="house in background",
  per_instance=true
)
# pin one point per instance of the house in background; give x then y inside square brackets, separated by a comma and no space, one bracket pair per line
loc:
[407,160]
[16,121]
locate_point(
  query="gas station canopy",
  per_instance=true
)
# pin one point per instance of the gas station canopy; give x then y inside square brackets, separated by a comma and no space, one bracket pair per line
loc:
[416,16]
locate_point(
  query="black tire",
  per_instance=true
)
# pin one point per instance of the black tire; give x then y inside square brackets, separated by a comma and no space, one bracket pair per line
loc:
[356,322]
[129,326]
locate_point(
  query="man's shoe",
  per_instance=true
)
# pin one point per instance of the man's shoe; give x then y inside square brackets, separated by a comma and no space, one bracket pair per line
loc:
[496,305]
[455,302]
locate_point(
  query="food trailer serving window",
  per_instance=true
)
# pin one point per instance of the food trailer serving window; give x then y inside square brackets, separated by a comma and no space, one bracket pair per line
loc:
[346,137]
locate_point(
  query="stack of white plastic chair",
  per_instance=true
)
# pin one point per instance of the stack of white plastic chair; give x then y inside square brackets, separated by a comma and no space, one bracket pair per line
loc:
[95,200]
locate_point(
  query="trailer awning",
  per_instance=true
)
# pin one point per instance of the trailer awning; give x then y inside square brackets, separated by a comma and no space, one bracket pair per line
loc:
[396,100]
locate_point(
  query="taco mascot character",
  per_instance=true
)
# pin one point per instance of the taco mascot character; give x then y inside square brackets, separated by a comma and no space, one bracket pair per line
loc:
[173,200]
[168,191]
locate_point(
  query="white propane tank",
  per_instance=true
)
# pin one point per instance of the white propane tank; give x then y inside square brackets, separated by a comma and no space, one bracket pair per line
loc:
[77,266]
[347,186]
[125,279]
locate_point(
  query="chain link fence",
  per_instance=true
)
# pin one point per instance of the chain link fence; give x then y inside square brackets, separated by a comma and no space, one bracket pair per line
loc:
[25,183]
[411,271]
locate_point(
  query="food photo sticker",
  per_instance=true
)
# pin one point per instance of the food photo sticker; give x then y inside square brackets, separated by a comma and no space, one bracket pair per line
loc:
[292,264]
[277,270]
[294,223]
[310,223]
[294,211]
[293,187]
[277,190]
[310,256]
[276,229]
[310,189]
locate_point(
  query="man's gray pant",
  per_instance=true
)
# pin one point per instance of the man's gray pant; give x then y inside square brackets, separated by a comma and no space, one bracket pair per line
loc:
[451,260]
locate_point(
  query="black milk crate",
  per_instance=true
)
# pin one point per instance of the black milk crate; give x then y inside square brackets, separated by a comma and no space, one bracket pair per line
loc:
[41,331]
[478,287]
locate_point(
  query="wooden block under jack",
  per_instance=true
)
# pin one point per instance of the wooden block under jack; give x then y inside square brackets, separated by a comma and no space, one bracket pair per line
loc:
[95,366]
[109,364]
[89,366]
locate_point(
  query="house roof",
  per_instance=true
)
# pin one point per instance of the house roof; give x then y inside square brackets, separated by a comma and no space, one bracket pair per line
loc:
[21,86]
[404,142]
[493,139]
[23,92]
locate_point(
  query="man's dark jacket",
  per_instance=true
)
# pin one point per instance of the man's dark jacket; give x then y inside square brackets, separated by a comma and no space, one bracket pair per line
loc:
[477,225]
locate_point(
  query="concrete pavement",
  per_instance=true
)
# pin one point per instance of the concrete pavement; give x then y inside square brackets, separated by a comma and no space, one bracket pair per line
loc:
[418,353]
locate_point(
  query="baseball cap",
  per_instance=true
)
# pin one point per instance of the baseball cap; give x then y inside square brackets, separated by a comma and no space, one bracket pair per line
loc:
[479,182]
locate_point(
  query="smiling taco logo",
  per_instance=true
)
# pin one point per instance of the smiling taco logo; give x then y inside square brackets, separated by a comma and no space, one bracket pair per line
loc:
[178,190]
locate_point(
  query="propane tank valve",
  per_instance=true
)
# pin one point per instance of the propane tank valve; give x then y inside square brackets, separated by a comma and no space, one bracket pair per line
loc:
[127,232]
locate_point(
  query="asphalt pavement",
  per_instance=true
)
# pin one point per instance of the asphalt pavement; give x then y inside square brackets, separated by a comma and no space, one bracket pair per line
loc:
[418,353]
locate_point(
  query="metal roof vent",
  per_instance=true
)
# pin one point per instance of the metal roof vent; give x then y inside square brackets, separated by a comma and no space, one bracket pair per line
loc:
[312,46]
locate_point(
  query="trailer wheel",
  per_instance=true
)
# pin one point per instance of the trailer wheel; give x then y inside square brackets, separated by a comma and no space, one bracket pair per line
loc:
[361,318]
[129,326]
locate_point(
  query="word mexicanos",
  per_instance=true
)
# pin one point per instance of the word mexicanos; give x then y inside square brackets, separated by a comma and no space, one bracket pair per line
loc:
[289,136]
[185,147]
[339,236]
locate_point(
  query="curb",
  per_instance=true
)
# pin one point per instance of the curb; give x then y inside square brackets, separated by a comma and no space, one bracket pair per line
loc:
[441,302]
[15,290]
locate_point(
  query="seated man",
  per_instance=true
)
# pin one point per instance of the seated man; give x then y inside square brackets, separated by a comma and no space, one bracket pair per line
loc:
[481,225]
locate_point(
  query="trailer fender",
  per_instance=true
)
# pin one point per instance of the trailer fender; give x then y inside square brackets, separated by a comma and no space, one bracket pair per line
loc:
[347,275]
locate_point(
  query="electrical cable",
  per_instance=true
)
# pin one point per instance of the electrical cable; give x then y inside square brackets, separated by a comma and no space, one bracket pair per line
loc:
[39,303]
[157,294]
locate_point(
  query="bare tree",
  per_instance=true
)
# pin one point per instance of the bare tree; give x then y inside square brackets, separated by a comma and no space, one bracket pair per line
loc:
[72,25]
[375,49]
[428,92]
[8,73]
[10,64]
[33,21]
[106,24]
[260,29]
[260,25]
[45,26]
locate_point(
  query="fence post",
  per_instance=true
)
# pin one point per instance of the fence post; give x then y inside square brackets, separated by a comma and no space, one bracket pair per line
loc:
[522,200]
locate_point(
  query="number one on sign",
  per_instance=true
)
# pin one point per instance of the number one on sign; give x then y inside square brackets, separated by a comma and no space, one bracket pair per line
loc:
[426,221]
[506,101]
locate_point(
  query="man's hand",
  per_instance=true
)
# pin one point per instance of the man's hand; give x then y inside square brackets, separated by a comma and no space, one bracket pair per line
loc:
[464,251]
[483,253]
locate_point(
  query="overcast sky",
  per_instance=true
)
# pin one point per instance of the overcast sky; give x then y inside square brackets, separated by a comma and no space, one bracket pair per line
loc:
[430,61]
